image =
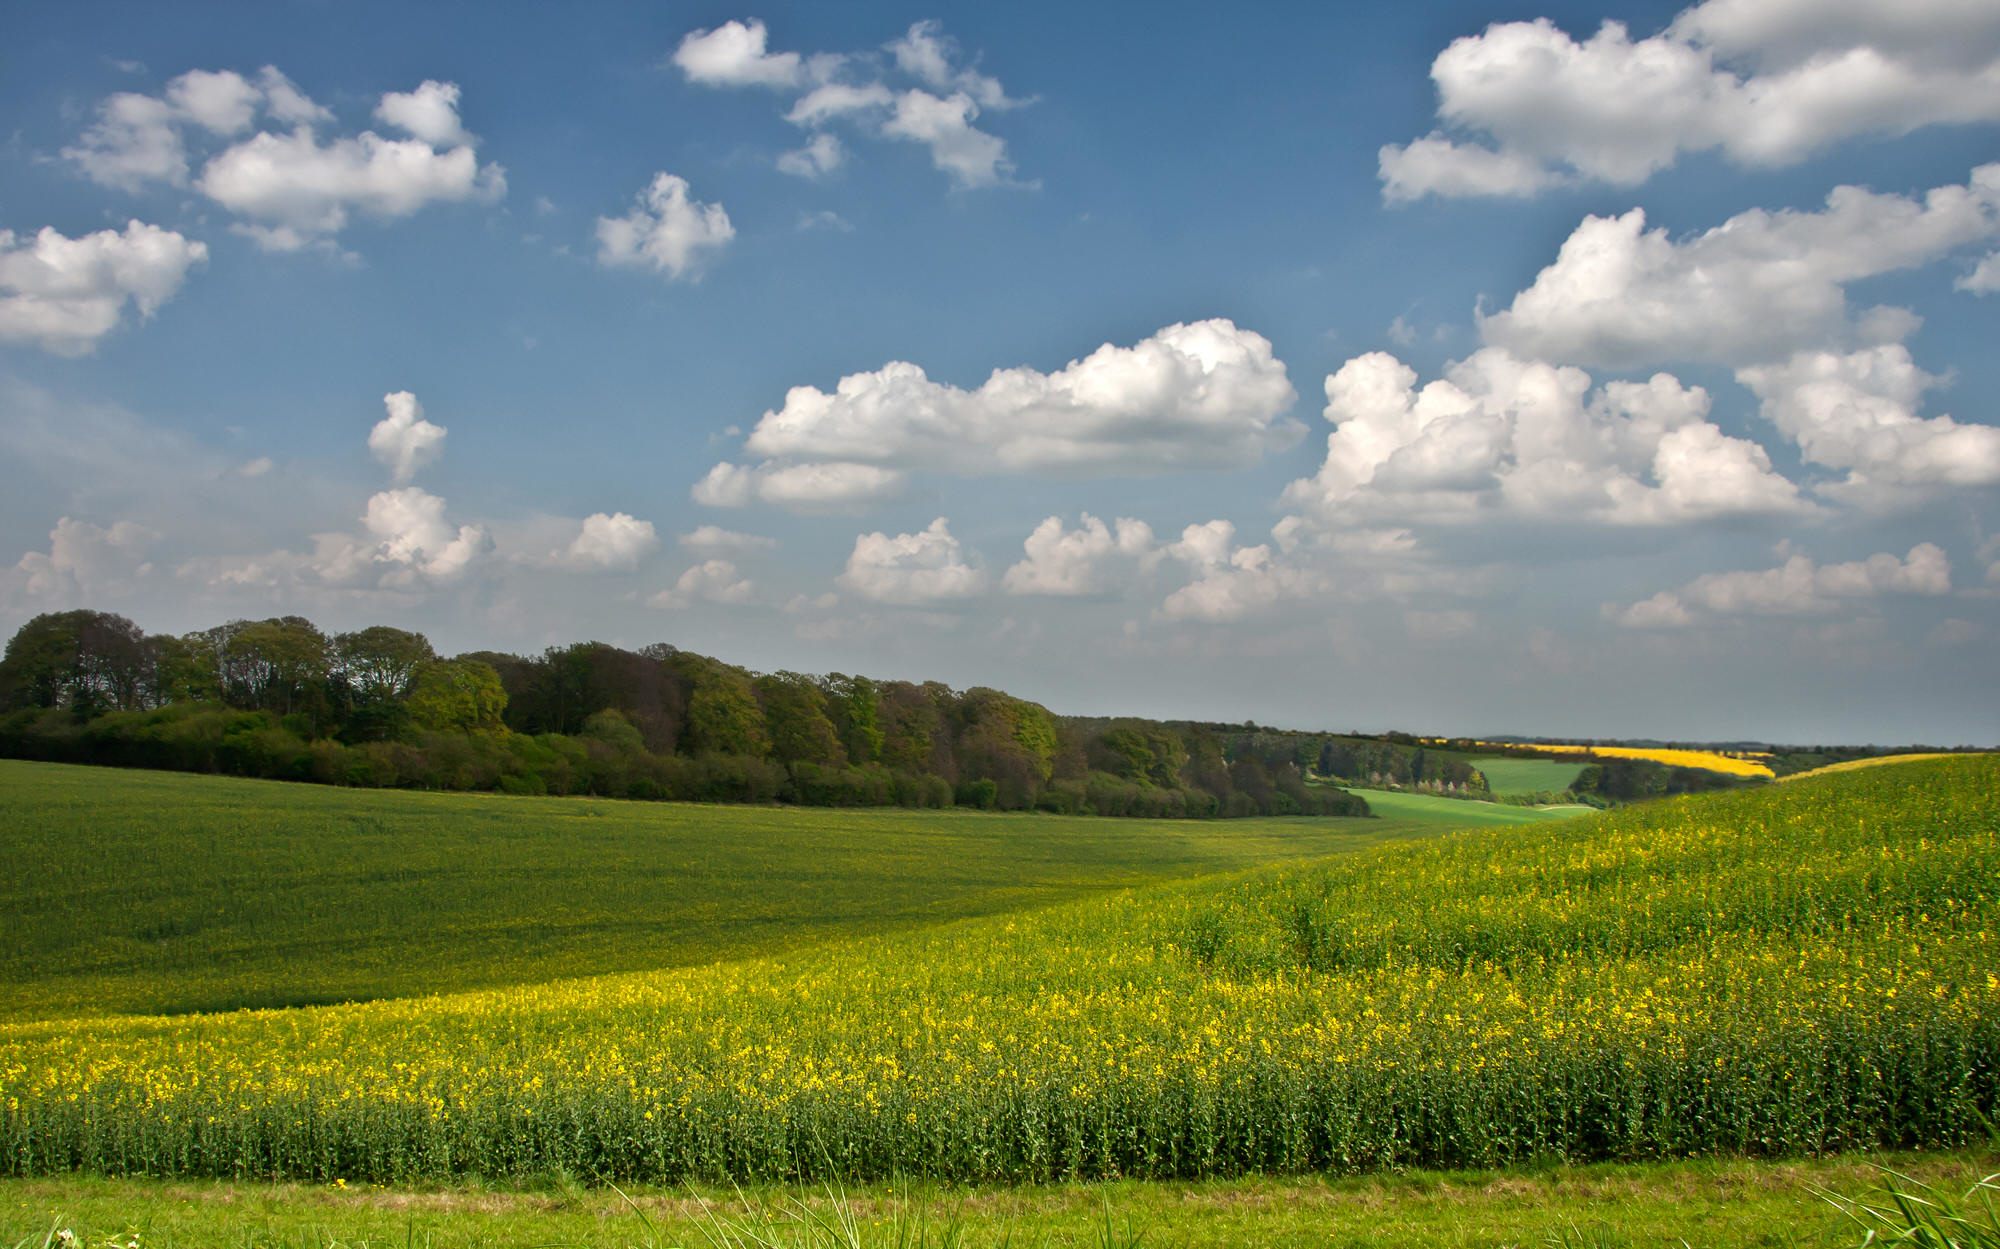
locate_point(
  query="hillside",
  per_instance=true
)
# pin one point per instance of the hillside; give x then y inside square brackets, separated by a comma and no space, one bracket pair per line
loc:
[1792,969]
[162,892]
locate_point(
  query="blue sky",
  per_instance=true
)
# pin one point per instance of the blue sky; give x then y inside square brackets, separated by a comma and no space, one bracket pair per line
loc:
[1456,367]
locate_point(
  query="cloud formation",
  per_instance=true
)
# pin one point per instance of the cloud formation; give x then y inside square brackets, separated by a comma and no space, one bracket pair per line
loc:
[1068,563]
[1503,436]
[1766,84]
[1206,395]
[292,190]
[714,539]
[1757,287]
[404,441]
[1232,582]
[851,90]
[1858,411]
[608,541]
[711,581]
[83,560]
[666,231]
[911,569]
[1797,587]
[64,294]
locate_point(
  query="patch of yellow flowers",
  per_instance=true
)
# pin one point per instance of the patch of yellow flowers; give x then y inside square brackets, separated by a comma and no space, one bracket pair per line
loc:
[1772,970]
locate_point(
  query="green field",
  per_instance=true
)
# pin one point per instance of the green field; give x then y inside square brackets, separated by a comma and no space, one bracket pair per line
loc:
[1526,776]
[1795,969]
[1429,809]
[137,892]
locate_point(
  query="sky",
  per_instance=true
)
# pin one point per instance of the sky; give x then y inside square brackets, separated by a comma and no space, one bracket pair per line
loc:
[1554,369]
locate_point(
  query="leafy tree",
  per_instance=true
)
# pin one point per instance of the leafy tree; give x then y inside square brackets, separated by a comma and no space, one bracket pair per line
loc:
[795,716]
[723,715]
[855,706]
[457,696]
[379,663]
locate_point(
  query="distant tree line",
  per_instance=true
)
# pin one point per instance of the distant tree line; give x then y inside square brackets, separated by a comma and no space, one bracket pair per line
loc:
[380,707]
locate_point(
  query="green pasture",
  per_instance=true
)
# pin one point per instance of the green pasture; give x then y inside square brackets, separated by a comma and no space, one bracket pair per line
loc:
[158,892]
[1527,776]
[1710,1204]
[1428,809]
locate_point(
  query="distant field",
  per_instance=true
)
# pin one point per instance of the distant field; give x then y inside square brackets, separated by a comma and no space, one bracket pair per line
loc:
[1855,764]
[135,892]
[1526,776]
[1454,812]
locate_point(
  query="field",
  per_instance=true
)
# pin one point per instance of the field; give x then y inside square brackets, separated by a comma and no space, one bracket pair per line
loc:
[1431,810]
[1526,776]
[158,892]
[1854,764]
[1791,970]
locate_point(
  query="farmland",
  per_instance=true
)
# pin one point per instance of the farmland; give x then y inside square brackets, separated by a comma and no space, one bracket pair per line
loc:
[1527,776]
[1781,971]
[153,892]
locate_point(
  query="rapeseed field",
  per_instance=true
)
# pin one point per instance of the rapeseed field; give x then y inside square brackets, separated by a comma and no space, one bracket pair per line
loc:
[1785,970]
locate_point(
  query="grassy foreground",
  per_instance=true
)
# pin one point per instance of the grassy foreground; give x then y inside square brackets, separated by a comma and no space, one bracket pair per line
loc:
[1719,1204]
[157,892]
[1791,970]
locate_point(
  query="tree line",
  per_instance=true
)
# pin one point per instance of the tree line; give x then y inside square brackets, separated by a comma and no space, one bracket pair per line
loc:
[380,707]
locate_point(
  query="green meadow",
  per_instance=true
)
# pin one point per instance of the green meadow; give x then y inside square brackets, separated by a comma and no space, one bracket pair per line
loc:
[1527,776]
[159,892]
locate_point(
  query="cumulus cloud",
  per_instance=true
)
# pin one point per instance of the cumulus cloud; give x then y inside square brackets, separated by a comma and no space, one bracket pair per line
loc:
[1232,582]
[429,113]
[711,581]
[403,440]
[610,541]
[1857,411]
[666,231]
[1765,84]
[1504,436]
[1206,395]
[1758,286]
[82,560]
[819,157]
[911,568]
[968,155]
[65,294]
[734,55]
[293,190]
[410,529]
[1797,587]
[853,90]
[1068,562]
[835,486]
[715,539]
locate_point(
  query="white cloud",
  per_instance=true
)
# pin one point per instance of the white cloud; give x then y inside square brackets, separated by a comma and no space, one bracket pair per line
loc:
[1858,412]
[837,100]
[734,55]
[429,113]
[927,54]
[1206,395]
[410,527]
[711,581]
[716,540]
[1542,107]
[665,232]
[911,568]
[970,156]
[610,541]
[1231,582]
[819,157]
[1797,587]
[1074,562]
[403,440]
[835,486]
[1760,285]
[298,192]
[294,190]
[65,294]
[83,559]
[1504,436]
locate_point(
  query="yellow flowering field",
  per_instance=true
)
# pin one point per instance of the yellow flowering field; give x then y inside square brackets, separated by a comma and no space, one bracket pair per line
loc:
[1736,764]
[1780,970]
